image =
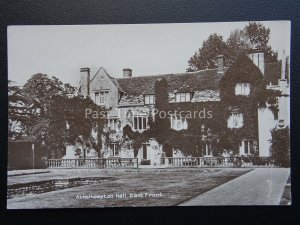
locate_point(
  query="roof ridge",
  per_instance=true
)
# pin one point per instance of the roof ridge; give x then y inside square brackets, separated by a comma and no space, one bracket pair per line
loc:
[166,74]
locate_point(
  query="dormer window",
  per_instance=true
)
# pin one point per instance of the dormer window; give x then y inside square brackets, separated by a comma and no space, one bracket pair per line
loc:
[149,99]
[183,97]
[242,89]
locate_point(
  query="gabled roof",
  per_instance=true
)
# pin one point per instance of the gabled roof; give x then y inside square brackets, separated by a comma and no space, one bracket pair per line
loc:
[114,80]
[183,82]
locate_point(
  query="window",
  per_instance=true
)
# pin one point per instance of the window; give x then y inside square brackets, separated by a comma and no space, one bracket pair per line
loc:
[178,123]
[114,149]
[145,146]
[149,99]
[97,101]
[183,97]
[101,97]
[248,147]
[113,123]
[206,149]
[275,113]
[140,122]
[236,120]
[242,89]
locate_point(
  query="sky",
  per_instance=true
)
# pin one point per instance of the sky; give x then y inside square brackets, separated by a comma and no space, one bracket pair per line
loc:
[148,49]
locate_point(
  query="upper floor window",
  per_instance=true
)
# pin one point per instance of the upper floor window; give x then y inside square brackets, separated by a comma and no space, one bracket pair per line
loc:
[183,97]
[178,123]
[101,97]
[149,99]
[242,89]
[140,122]
[236,120]
[113,123]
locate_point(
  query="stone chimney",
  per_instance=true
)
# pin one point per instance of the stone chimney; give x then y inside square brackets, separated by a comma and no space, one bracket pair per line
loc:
[283,81]
[283,66]
[220,62]
[85,81]
[127,72]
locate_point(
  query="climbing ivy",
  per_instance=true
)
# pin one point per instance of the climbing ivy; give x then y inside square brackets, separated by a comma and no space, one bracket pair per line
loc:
[211,129]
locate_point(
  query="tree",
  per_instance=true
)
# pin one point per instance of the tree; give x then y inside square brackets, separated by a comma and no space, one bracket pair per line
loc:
[237,44]
[253,36]
[22,111]
[44,108]
[259,37]
[205,57]
[41,88]
[67,121]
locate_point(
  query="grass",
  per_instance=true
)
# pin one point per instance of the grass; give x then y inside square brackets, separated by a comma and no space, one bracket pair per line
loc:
[173,186]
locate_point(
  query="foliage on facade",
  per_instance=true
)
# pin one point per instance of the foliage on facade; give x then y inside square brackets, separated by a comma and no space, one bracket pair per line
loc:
[280,146]
[210,124]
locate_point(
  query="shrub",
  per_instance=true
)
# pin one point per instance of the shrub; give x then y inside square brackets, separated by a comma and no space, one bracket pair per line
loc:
[280,147]
[145,162]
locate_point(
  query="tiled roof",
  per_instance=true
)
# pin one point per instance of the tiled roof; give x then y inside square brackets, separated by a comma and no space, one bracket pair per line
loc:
[183,82]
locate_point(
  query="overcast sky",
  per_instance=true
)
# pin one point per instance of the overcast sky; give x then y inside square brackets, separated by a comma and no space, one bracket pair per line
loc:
[147,48]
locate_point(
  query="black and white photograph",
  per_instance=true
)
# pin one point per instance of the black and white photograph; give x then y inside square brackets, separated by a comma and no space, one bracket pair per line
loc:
[139,115]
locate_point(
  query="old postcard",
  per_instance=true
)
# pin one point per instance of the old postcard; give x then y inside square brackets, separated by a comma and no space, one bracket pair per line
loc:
[186,114]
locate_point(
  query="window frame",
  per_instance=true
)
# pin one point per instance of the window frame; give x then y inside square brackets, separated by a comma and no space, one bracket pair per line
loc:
[115,150]
[100,97]
[114,121]
[241,88]
[176,120]
[140,122]
[250,146]
[234,116]
[183,97]
[149,99]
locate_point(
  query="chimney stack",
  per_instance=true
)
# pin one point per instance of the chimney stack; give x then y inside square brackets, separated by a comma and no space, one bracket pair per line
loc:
[127,72]
[283,65]
[85,81]
[220,62]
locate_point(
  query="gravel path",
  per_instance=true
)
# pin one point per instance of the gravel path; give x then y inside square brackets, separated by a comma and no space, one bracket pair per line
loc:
[262,186]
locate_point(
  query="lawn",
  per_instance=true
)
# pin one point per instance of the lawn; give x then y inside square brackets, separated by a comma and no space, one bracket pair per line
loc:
[144,187]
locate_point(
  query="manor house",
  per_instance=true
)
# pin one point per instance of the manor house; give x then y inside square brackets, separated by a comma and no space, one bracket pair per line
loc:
[131,98]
